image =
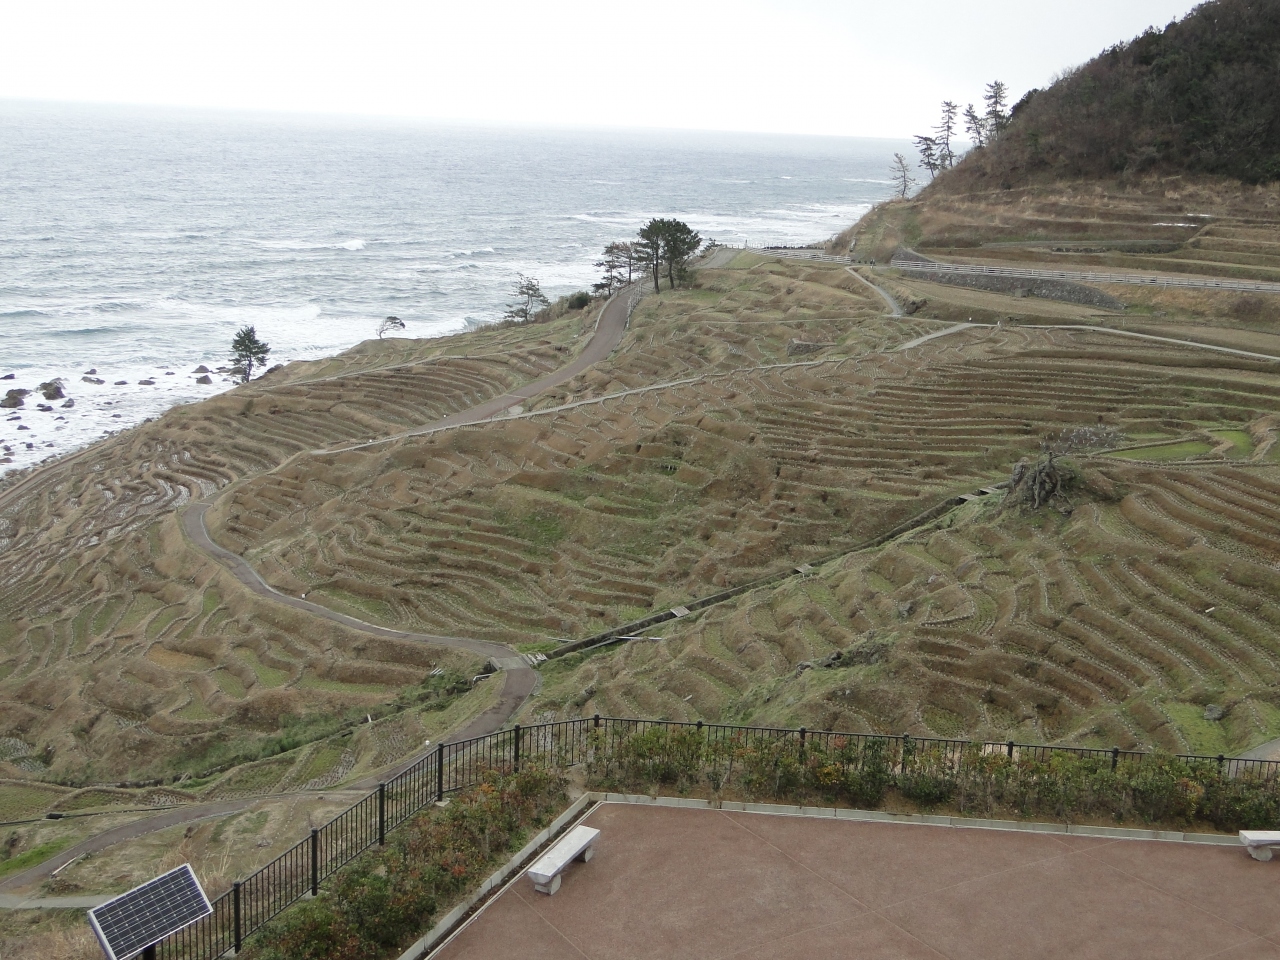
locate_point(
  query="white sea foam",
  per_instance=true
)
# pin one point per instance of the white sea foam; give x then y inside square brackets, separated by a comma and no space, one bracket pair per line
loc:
[312,240]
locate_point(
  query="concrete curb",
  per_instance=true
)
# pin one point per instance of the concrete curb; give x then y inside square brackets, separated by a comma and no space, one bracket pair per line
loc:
[12,902]
[964,823]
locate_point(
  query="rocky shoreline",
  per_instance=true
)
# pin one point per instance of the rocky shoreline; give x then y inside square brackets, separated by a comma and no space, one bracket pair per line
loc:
[42,419]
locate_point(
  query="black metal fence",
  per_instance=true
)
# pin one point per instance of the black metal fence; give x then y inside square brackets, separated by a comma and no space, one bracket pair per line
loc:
[298,872]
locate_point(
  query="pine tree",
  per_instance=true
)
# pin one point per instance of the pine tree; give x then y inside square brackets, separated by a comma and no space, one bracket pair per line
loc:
[247,351]
[928,148]
[529,300]
[997,100]
[976,125]
[946,131]
[901,172]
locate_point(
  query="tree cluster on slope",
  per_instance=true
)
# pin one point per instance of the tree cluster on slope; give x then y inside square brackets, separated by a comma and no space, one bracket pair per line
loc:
[1202,95]
[938,153]
[663,245]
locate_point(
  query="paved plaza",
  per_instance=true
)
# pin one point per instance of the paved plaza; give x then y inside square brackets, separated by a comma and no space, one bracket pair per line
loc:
[670,883]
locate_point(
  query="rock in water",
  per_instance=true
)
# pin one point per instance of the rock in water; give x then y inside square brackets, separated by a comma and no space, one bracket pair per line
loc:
[206,380]
[8,376]
[93,380]
[13,398]
[68,404]
[146,383]
[52,390]
[202,369]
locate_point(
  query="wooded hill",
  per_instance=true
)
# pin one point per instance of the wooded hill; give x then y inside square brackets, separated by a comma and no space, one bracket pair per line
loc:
[1201,96]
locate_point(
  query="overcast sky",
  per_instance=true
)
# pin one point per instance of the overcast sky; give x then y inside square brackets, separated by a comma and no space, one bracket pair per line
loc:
[845,67]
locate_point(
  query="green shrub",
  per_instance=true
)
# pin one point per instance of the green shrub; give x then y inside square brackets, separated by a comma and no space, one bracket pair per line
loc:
[927,773]
[579,300]
[386,898]
[861,771]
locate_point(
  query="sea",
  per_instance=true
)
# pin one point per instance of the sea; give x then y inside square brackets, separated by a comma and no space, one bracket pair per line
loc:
[135,242]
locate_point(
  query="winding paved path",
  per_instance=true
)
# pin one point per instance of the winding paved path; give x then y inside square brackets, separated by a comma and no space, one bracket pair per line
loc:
[519,679]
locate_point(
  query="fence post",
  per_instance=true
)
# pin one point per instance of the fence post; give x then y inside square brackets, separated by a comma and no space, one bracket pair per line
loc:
[315,863]
[803,734]
[235,910]
[1115,758]
[440,772]
[1222,758]
[1009,747]
[382,814]
[595,721]
[516,752]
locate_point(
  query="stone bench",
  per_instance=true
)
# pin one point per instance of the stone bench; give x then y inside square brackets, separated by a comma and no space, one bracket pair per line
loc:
[1260,842]
[574,845]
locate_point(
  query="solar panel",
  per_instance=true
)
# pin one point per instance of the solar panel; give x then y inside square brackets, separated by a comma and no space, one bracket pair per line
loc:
[147,914]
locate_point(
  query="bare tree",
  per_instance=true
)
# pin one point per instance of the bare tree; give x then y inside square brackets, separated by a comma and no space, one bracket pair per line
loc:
[389,324]
[900,170]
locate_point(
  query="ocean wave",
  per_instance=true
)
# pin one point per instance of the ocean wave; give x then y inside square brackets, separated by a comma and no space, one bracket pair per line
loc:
[306,246]
[441,236]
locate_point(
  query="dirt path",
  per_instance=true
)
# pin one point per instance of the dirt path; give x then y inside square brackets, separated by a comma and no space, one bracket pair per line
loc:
[609,331]
[895,309]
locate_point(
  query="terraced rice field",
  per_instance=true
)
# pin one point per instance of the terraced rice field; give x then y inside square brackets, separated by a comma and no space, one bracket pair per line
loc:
[122,650]
[1116,625]
[761,420]
[558,525]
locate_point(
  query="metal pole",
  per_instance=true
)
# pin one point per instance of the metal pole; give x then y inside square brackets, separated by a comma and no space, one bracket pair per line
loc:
[315,863]
[516,764]
[803,733]
[235,906]
[149,953]
[1115,758]
[440,773]
[382,814]
[1009,747]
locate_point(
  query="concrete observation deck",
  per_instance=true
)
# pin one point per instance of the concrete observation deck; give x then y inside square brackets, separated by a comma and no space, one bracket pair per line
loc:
[669,883]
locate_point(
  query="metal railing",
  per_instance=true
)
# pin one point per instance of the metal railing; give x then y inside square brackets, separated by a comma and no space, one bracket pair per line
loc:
[299,872]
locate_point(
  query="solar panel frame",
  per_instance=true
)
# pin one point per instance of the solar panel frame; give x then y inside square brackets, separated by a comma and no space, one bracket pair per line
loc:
[128,924]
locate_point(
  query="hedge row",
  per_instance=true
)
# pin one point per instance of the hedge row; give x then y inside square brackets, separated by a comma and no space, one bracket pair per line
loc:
[864,772]
[381,903]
